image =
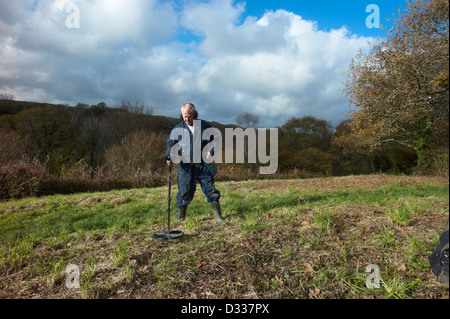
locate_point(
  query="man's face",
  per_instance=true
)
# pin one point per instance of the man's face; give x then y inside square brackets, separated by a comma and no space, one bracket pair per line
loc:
[188,117]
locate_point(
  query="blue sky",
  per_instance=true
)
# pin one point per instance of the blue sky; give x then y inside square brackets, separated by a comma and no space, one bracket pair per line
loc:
[332,14]
[274,59]
[328,14]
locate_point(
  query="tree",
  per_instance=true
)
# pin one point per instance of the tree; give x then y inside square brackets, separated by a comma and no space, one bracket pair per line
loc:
[14,147]
[306,132]
[91,137]
[247,120]
[315,161]
[304,144]
[400,87]
[53,133]
[136,107]
[6,97]
[138,152]
[351,155]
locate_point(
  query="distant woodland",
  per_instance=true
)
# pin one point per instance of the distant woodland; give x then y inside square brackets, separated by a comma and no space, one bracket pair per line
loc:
[49,149]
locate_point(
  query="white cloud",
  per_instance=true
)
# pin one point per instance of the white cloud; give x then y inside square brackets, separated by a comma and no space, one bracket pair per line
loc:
[275,66]
[105,25]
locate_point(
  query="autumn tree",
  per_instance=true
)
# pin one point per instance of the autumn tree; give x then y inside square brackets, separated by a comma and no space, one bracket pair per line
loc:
[351,155]
[400,87]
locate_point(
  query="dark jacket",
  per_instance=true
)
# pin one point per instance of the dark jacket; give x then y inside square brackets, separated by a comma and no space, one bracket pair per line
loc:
[188,149]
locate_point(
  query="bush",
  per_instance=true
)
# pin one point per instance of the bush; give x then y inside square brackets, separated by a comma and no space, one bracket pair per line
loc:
[433,162]
[21,179]
[139,153]
[14,147]
[315,161]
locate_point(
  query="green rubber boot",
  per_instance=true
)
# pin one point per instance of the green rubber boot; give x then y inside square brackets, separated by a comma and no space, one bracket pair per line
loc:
[182,213]
[217,213]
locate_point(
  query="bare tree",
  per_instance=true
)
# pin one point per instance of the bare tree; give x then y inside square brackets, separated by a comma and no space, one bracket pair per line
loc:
[246,120]
[91,136]
[136,106]
[6,97]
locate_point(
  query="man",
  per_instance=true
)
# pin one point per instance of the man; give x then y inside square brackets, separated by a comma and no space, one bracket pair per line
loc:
[191,166]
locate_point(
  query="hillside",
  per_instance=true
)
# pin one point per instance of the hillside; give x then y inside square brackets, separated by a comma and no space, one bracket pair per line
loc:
[51,149]
[295,238]
[13,107]
[66,149]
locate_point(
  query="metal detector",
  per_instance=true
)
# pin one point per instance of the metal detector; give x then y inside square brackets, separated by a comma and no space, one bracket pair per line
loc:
[168,234]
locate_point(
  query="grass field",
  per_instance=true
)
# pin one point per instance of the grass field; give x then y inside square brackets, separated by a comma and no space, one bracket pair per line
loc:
[310,238]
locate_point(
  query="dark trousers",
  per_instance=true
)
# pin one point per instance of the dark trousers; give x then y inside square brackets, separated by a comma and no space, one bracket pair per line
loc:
[188,175]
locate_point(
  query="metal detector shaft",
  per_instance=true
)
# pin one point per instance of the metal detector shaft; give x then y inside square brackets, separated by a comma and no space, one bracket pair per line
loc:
[168,234]
[169,198]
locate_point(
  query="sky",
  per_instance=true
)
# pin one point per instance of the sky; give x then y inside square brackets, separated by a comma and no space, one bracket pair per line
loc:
[276,59]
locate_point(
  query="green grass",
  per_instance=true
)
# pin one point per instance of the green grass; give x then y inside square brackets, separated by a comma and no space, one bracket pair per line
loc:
[282,239]
[58,217]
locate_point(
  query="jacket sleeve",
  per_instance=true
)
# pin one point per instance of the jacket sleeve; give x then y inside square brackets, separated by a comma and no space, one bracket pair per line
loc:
[170,143]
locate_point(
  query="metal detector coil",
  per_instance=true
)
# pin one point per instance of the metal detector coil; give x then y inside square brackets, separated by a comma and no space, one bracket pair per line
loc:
[168,234]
